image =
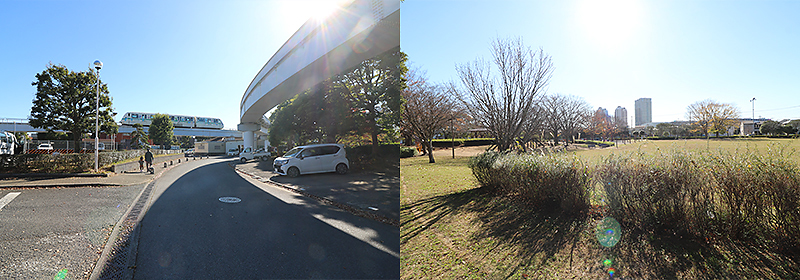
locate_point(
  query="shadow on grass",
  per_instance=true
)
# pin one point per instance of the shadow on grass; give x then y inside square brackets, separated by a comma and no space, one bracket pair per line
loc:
[540,235]
[668,256]
[565,242]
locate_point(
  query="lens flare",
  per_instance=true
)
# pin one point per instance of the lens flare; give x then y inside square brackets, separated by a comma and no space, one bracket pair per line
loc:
[607,263]
[61,275]
[608,232]
[611,272]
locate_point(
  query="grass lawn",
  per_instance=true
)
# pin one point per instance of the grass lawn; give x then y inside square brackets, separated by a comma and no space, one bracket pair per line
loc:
[453,229]
[759,144]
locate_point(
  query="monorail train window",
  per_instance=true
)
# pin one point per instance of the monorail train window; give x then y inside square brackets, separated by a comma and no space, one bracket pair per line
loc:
[135,116]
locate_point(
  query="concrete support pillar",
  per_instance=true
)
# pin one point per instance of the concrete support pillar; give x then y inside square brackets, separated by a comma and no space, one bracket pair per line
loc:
[249,139]
[248,134]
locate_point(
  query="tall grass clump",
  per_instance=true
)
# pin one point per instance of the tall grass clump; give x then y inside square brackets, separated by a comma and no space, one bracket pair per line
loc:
[654,192]
[548,182]
[740,195]
[759,194]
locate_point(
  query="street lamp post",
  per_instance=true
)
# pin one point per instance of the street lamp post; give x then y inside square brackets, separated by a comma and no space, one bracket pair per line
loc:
[97,66]
[753,103]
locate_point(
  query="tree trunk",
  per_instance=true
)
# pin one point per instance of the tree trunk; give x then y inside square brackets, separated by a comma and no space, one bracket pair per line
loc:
[429,147]
[375,144]
[77,138]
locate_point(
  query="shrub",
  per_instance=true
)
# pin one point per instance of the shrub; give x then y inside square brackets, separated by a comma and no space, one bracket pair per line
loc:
[72,163]
[740,195]
[656,192]
[446,143]
[759,195]
[547,182]
[406,152]
[361,158]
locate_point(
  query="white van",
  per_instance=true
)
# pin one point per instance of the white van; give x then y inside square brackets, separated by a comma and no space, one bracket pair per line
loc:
[310,159]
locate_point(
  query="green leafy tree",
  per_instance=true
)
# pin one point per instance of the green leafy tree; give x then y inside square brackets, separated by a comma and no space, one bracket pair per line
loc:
[138,137]
[65,100]
[318,115]
[161,130]
[373,89]
[795,125]
[770,127]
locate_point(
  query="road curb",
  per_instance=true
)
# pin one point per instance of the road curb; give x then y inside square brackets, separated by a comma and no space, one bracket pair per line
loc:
[349,208]
[122,244]
[51,175]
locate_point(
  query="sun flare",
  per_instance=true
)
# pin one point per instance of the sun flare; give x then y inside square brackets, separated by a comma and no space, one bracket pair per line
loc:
[320,10]
[610,23]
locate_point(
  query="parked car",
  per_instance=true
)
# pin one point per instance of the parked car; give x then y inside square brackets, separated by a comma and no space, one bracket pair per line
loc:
[259,154]
[189,153]
[233,152]
[310,159]
[90,146]
[45,146]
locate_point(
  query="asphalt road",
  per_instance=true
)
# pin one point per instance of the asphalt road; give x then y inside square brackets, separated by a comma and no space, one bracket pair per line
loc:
[188,233]
[47,231]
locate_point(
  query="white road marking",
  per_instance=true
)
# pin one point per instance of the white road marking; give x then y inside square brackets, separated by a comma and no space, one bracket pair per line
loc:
[8,198]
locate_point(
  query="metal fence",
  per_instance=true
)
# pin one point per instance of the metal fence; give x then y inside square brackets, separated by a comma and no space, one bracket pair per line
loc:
[67,146]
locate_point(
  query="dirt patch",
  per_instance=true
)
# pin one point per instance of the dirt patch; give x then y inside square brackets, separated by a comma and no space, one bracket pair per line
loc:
[459,151]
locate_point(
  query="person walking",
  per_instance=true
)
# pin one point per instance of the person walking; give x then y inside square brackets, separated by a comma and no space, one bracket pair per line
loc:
[141,164]
[148,157]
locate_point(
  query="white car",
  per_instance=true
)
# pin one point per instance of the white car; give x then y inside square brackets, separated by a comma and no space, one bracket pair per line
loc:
[310,159]
[233,152]
[45,146]
[259,154]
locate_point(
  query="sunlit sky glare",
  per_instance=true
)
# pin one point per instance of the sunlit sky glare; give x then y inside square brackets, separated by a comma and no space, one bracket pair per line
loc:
[177,57]
[614,52]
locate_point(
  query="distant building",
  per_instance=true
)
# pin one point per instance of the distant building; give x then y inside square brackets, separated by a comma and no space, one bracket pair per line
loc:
[604,112]
[644,111]
[621,117]
[750,126]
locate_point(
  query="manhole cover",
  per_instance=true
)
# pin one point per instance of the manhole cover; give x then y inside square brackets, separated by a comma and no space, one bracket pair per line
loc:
[230,199]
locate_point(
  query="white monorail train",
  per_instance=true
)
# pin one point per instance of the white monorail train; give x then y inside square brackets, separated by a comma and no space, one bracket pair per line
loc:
[145,119]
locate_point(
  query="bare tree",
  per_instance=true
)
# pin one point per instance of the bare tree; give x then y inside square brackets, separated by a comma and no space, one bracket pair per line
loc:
[565,115]
[713,117]
[428,109]
[502,103]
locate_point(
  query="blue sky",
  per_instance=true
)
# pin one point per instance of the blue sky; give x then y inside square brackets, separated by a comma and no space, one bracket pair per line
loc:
[614,52]
[177,57]
[198,57]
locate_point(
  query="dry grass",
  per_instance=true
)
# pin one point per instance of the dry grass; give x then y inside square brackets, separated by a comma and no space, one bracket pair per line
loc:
[452,229]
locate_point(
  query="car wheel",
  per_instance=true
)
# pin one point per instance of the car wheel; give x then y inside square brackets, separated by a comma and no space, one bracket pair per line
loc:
[293,172]
[263,158]
[243,160]
[341,169]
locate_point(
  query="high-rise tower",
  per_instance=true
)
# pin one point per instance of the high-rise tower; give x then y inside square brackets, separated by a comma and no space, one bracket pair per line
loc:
[621,117]
[644,111]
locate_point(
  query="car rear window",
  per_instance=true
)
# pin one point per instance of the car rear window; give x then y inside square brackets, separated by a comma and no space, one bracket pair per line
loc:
[329,150]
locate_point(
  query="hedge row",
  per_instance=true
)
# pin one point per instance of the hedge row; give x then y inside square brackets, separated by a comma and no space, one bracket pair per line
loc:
[791,136]
[443,143]
[70,163]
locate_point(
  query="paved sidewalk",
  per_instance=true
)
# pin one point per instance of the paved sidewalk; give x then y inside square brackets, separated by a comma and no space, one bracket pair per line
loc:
[128,178]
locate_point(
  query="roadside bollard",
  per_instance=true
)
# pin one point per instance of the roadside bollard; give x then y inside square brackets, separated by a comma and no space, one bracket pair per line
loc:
[179,160]
[165,164]
[170,162]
